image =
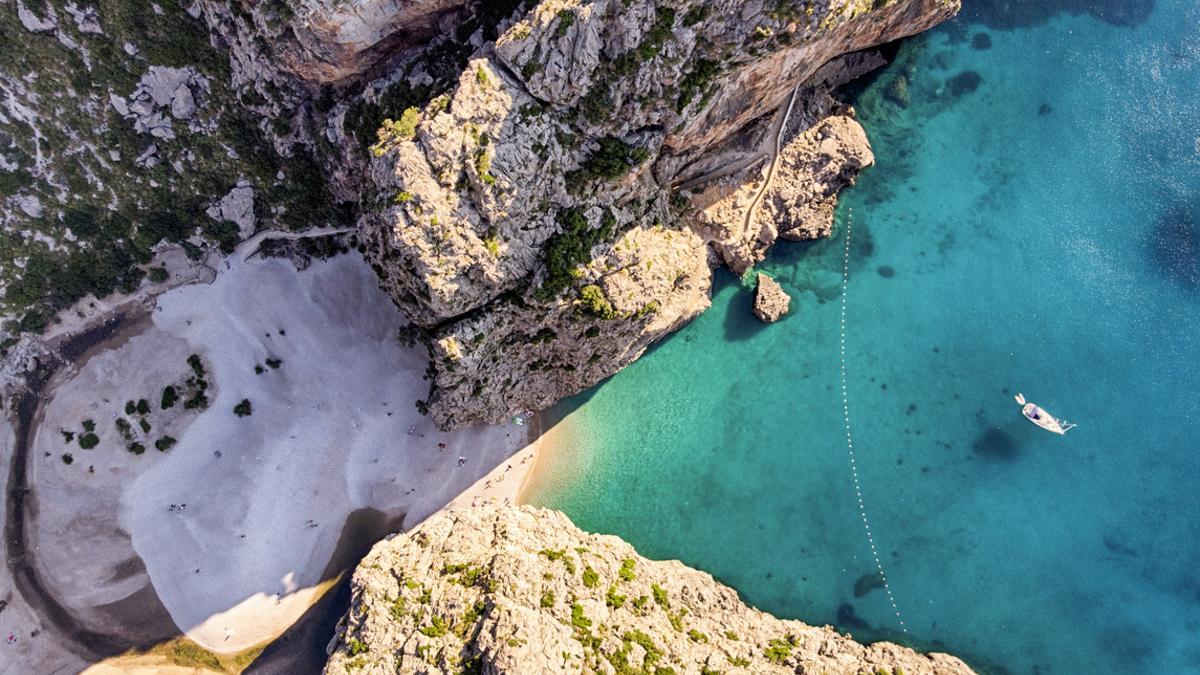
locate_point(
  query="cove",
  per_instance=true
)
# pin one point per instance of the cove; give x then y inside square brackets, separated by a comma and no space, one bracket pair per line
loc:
[1031,225]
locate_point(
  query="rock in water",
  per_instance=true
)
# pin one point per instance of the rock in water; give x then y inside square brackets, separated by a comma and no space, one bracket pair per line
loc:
[504,589]
[770,300]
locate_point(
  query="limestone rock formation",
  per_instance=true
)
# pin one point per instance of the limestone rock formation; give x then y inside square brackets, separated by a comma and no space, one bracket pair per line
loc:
[770,300]
[526,216]
[813,169]
[502,589]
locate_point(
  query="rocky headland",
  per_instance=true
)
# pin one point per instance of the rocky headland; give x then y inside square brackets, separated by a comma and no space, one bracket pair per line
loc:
[543,188]
[503,589]
[531,219]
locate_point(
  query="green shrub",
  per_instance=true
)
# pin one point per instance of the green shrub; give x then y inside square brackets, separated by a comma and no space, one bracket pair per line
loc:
[436,628]
[695,15]
[594,302]
[590,577]
[578,619]
[653,653]
[570,248]
[660,596]
[676,619]
[145,426]
[143,407]
[358,647]
[243,409]
[566,18]
[613,159]
[778,650]
[158,274]
[627,570]
[483,164]
[614,599]
[274,364]
[165,443]
[481,76]
[547,599]
[392,131]
[397,610]
[696,82]
[739,661]
[89,425]
[68,458]
[89,441]
[469,618]
[696,636]
[136,448]
[169,397]
[130,407]
[492,243]
[197,402]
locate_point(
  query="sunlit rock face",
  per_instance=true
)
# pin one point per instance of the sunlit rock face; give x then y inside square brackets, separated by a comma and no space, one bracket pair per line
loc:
[526,216]
[503,589]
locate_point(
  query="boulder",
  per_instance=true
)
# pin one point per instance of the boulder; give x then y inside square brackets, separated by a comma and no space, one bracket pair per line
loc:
[770,300]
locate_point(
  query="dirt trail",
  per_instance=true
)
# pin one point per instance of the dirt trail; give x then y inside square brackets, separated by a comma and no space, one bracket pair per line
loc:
[777,132]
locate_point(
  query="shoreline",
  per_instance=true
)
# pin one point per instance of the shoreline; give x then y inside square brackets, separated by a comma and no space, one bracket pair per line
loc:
[508,481]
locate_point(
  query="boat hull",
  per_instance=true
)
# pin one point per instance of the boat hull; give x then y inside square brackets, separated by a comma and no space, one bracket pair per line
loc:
[1043,419]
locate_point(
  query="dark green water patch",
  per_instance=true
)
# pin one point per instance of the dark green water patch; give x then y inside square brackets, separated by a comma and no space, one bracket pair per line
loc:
[996,443]
[1174,247]
[868,582]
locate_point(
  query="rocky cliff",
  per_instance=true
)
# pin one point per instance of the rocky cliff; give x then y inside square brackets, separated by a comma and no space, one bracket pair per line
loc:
[529,219]
[500,589]
[544,187]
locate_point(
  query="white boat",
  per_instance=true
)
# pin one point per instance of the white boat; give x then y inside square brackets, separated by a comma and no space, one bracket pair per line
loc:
[1042,418]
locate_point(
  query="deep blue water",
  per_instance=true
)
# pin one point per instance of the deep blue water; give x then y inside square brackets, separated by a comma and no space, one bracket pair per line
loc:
[1043,235]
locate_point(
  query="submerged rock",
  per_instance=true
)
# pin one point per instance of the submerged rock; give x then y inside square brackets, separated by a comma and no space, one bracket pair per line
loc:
[770,300]
[504,589]
[1175,247]
[964,83]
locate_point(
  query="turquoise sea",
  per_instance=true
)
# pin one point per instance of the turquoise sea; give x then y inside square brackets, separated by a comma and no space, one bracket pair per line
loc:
[1033,227]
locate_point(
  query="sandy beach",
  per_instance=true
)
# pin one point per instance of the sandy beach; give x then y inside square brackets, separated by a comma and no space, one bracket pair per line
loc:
[230,529]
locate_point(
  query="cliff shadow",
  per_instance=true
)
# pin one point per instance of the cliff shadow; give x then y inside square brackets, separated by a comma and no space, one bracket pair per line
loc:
[740,322]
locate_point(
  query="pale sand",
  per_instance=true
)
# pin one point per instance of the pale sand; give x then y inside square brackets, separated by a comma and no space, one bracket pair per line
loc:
[333,431]
[508,481]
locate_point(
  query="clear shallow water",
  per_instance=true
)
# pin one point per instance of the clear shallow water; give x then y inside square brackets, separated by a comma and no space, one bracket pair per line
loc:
[1047,252]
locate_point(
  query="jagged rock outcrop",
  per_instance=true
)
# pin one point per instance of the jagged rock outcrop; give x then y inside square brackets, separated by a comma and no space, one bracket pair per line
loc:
[770,300]
[500,209]
[503,589]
